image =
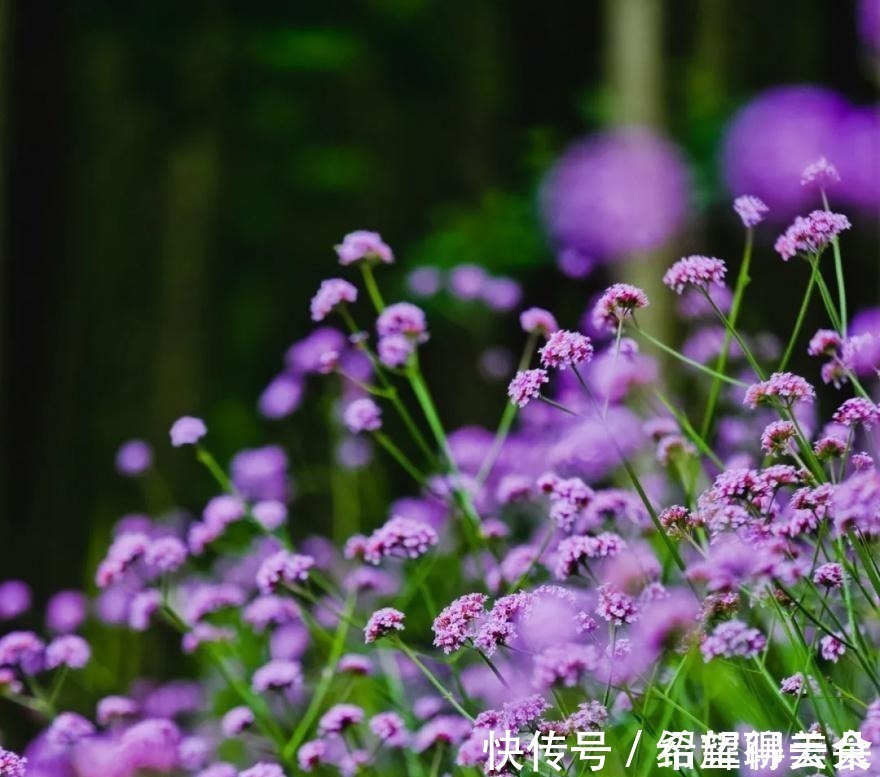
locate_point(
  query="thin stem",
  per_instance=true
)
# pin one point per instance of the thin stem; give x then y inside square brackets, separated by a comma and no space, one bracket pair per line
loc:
[798,324]
[431,678]
[372,286]
[206,457]
[838,270]
[399,456]
[681,357]
[747,352]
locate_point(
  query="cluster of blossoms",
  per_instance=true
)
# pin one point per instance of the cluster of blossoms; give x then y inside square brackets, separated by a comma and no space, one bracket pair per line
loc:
[547,576]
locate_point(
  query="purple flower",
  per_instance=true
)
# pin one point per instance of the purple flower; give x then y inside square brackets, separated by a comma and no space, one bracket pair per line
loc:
[395,350]
[271,610]
[574,551]
[112,708]
[402,318]
[831,648]
[68,650]
[820,174]
[526,386]
[125,550]
[67,729]
[277,675]
[143,606]
[281,397]
[829,575]
[699,271]
[856,503]
[574,264]
[444,729]
[399,537]
[360,245]
[355,664]
[261,473]
[15,599]
[237,720]
[12,765]
[263,769]
[270,514]
[283,568]
[207,598]
[785,387]
[615,193]
[424,281]
[22,649]
[219,769]
[564,665]
[362,415]
[134,458]
[777,436]
[205,634]
[466,281]
[501,294]
[617,302]
[307,355]
[311,754]
[452,627]
[732,638]
[151,745]
[66,611]
[811,234]
[340,717]
[616,607]
[331,293]
[751,210]
[390,729]
[187,430]
[382,623]
[566,349]
[857,410]
[166,554]
[538,321]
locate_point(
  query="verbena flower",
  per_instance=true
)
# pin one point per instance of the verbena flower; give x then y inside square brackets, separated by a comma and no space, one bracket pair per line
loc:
[820,174]
[566,349]
[857,410]
[283,568]
[777,438]
[751,210]
[277,675]
[12,765]
[453,626]
[67,729]
[399,537]
[784,387]
[731,639]
[402,318]
[187,430]
[362,245]
[134,458]
[811,234]
[69,651]
[831,648]
[15,599]
[829,575]
[332,293]
[699,271]
[526,386]
[618,302]
[538,321]
[114,708]
[382,623]
[389,728]
[362,415]
[340,717]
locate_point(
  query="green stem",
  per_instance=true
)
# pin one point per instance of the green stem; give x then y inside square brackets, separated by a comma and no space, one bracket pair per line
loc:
[798,324]
[431,678]
[681,357]
[838,271]
[206,457]
[372,286]
[399,456]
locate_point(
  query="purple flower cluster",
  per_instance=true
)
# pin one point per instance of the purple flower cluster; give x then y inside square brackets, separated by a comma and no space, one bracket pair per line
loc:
[811,234]
[698,271]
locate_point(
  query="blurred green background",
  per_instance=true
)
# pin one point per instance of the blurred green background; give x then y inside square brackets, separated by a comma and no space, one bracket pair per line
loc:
[176,174]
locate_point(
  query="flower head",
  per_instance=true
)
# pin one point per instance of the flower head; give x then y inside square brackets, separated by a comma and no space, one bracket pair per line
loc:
[782,386]
[777,436]
[751,210]
[811,234]
[619,301]
[382,623]
[857,410]
[339,718]
[390,729]
[362,415]
[699,271]
[538,321]
[331,293]
[277,675]
[283,568]
[526,386]
[134,458]
[402,318]
[733,638]
[263,769]
[452,627]
[363,245]
[187,430]
[566,349]
[820,174]
[69,650]
[12,765]
[399,537]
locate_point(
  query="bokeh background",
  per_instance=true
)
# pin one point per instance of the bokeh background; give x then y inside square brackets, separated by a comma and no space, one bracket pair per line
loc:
[176,174]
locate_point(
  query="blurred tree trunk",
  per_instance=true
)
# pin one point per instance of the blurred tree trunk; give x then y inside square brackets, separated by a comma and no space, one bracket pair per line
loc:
[635,77]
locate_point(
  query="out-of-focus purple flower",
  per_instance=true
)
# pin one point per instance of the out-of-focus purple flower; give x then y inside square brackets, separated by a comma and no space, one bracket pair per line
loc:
[399,537]
[424,281]
[501,294]
[270,513]
[263,769]
[134,458]
[612,194]
[305,357]
[277,675]
[68,650]
[537,321]
[444,729]
[311,754]
[698,271]
[151,745]
[857,410]
[206,598]
[355,664]
[772,139]
[865,326]
[402,318]
[15,599]
[113,708]
[66,611]
[573,263]
[220,769]
[187,430]
[125,550]
[281,397]
[270,610]
[261,473]
[237,720]
[856,503]
[340,717]
[389,728]
[751,210]
[810,234]
[193,752]
[731,639]
[466,281]
[67,729]
[283,568]
[331,293]
[395,350]
[362,244]
[526,386]
[663,624]
[382,623]
[165,554]
[820,174]
[362,415]
[831,648]
[564,665]
[619,301]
